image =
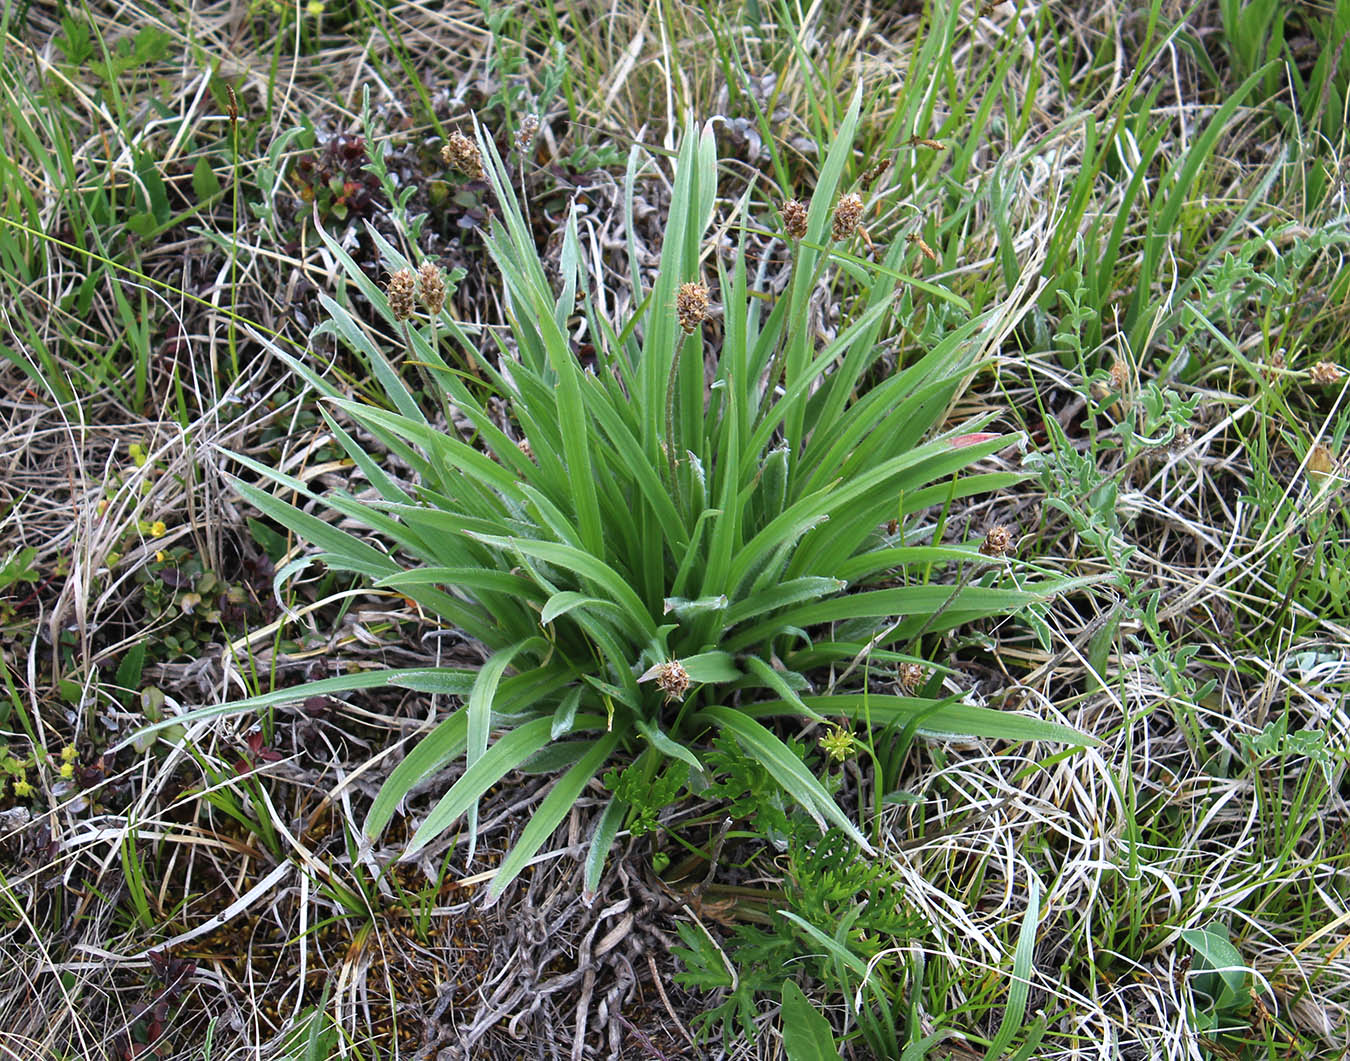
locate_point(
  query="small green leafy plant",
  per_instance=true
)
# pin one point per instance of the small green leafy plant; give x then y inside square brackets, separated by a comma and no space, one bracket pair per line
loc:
[664,547]
[1221,985]
[841,916]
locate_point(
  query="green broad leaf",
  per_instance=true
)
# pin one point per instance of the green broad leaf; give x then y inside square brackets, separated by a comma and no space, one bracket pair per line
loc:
[585,565]
[507,753]
[564,602]
[785,768]
[1219,957]
[939,719]
[779,684]
[1015,1012]
[154,192]
[565,716]
[602,840]
[555,807]
[685,608]
[794,591]
[142,223]
[417,678]
[475,578]
[205,184]
[481,698]
[432,752]
[806,1032]
[667,746]
[1100,646]
[711,668]
[129,671]
[954,605]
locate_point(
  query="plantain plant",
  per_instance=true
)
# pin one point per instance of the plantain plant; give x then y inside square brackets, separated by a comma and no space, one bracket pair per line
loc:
[676,543]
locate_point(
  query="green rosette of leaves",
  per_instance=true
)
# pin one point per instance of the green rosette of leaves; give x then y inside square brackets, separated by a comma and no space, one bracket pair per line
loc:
[695,529]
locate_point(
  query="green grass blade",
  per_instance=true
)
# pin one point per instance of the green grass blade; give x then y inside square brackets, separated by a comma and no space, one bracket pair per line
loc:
[555,807]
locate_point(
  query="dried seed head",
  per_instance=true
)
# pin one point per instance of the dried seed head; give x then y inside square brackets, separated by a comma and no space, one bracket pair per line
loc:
[996,542]
[1325,372]
[691,306]
[847,214]
[1321,463]
[433,287]
[1120,376]
[870,177]
[529,128]
[461,153]
[402,291]
[672,679]
[794,219]
[911,677]
[924,248]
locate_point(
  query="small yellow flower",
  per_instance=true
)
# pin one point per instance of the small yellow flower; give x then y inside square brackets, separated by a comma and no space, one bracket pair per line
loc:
[69,754]
[68,771]
[158,529]
[314,8]
[160,556]
[838,744]
[22,788]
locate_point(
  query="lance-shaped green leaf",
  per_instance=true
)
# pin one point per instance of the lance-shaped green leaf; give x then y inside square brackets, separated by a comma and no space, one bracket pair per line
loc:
[951,719]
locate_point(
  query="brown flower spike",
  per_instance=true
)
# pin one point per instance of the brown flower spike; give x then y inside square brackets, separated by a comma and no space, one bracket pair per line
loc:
[402,293]
[671,678]
[847,214]
[794,219]
[996,542]
[529,128]
[691,306]
[461,153]
[1325,372]
[911,677]
[433,288]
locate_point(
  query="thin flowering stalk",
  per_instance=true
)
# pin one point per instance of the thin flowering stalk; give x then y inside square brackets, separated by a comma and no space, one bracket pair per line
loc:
[795,220]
